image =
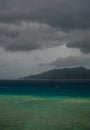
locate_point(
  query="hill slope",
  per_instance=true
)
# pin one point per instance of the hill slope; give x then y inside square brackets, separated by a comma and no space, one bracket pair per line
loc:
[66,73]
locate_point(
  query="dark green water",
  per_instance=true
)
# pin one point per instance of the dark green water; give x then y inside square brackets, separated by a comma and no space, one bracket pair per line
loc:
[48,88]
[44,105]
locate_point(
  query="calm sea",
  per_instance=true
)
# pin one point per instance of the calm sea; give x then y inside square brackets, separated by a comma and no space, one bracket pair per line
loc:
[45,105]
[52,88]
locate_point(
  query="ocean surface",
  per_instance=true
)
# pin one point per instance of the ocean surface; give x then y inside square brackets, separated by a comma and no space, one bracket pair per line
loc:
[70,88]
[44,105]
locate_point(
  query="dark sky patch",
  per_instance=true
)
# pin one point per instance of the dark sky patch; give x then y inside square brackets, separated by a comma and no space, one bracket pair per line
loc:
[82,44]
[64,14]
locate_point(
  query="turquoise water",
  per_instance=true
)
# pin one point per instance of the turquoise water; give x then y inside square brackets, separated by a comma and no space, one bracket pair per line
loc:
[46,88]
[44,105]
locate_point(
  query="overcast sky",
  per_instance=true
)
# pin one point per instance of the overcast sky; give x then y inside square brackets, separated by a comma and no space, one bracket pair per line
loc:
[38,35]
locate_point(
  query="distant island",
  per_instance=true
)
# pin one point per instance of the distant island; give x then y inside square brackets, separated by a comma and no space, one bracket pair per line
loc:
[65,73]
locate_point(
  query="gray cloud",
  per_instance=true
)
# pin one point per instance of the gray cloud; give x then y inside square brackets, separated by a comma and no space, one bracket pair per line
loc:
[27,36]
[10,30]
[30,36]
[34,24]
[82,44]
[65,14]
[80,40]
[72,61]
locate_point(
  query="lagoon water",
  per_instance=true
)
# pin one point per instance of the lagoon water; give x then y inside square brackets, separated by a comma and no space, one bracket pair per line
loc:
[45,105]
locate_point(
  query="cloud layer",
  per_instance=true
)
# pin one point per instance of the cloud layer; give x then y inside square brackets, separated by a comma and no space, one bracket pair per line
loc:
[30,36]
[27,25]
[65,14]
[72,61]
[83,44]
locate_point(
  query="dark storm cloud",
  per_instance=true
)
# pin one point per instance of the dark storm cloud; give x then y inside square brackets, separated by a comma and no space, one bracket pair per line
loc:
[83,44]
[30,36]
[65,14]
[34,24]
